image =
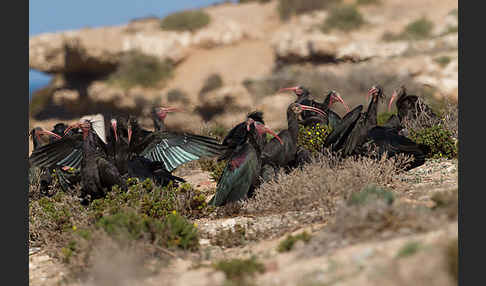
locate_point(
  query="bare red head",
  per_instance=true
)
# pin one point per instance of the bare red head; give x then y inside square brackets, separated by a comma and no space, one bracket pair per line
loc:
[261,128]
[298,90]
[298,108]
[162,112]
[335,97]
[38,131]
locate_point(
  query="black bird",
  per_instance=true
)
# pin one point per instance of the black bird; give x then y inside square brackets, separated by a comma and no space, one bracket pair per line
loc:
[238,135]
[86,151]
[387,140]
[131,164]
[242,171]
[41,137]
[353,130]
[38,138]
[310,118]
[408,107]
[170,148]
[359,131]
[281,151]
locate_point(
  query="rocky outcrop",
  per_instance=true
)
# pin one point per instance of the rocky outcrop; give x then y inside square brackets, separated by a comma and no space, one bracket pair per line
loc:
[98,51]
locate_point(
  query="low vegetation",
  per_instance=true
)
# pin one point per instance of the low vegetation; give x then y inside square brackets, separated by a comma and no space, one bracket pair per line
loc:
[239,271]
[443,61]
[145,214]
[438,139]
[288,8]
[384,116]
[212,166]
[312,137]
[186,21]
[140,69]
[177,95]
[419,29]
[321,184]
[369,193]
[213,82]
[288,243]
[410,248]
[368,2]
[345,18]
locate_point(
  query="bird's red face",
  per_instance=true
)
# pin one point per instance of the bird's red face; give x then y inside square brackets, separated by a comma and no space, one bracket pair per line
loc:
[261,129]
[296,89]
[84,126]
[41,131]
[113,126]
[163,111]
[335,97]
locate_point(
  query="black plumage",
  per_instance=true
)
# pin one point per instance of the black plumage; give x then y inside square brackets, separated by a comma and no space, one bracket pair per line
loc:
[281,151]
[242,171]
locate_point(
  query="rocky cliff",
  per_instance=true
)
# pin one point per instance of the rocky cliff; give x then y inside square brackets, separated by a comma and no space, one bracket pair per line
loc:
[243,53]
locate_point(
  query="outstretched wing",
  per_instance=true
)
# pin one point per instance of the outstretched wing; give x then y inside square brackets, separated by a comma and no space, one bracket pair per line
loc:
[341,131]
[175,149]
[237,177]
[66,151]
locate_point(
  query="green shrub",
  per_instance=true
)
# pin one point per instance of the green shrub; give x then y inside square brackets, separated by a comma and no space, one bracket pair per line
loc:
[438,139]
[408,249]
[368,2]
[384,116]
[345,18]
[136,68]
[230,237]
[312,137]
[443,60]
[371,193]
[288,243]
[185,21]
[417,30]
[212,166]
[239,269]
[287,8]
[177,95]
[213,82]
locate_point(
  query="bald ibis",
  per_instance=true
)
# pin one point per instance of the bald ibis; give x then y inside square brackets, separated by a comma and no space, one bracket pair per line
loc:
[359,130]
[86,151]
[281,151]
[238,135]
[310,118]
[408,107]
[242,171]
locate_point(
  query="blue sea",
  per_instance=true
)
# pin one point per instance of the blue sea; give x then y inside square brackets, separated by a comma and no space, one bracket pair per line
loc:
[36,81]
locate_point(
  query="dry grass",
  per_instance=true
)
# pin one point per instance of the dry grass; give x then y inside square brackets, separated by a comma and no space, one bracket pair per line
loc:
[321,184]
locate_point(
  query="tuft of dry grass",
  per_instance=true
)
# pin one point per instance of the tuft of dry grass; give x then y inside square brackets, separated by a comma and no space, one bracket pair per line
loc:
[320,184]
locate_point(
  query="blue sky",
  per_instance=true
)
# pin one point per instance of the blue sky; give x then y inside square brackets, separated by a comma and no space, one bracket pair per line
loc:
[60,15]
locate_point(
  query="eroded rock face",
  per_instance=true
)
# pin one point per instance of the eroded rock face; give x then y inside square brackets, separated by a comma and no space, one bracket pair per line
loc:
[99,50]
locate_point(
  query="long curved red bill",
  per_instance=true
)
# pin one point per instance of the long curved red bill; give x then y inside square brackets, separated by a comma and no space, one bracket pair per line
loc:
[340,99]
[75,125]
[314,109]
[43,131]
[394,95]
[294,88]
[268,130]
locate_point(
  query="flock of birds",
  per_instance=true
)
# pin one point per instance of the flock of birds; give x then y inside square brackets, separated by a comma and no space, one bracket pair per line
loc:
[102,158]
